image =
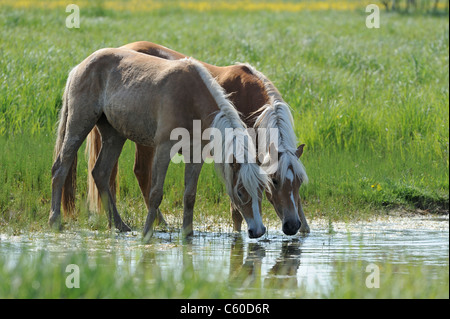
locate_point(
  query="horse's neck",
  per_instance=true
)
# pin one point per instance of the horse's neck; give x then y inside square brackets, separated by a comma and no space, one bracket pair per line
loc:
[247,92]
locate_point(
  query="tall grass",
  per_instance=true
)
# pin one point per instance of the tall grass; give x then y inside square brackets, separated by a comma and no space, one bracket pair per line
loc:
[370,104]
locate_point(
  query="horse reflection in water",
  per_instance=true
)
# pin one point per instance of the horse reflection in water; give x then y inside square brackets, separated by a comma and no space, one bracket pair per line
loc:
[251,264]
[247,272]
[284,272]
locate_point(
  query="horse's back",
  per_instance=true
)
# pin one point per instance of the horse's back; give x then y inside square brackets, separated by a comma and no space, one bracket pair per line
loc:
[144,97]
[124,70]
[154,49]
[128,61]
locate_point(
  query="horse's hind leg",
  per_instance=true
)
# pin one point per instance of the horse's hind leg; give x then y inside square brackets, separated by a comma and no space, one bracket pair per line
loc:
[60,169]
[74,136]
[112,144]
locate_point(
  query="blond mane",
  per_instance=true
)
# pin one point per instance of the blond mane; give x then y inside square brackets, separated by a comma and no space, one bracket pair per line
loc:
[277,114]
[252,178]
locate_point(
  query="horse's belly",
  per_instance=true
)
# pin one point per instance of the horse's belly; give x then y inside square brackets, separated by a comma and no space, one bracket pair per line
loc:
[139,128]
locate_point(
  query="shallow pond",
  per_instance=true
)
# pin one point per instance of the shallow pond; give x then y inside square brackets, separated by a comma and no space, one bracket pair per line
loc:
[275,260]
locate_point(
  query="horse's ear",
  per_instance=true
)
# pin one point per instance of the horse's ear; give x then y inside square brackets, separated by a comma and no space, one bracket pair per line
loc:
[299,150]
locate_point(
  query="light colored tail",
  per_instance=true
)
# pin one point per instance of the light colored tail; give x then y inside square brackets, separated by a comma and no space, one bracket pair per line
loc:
[93,147]
[69,188]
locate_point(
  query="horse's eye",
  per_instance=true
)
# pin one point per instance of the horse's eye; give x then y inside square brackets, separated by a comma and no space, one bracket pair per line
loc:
[239,194]
[275,182]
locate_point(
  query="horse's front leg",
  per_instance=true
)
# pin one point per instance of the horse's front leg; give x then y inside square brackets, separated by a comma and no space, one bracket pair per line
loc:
[143,162]
[191,174]
[161,162]
[237,218]
[304,228]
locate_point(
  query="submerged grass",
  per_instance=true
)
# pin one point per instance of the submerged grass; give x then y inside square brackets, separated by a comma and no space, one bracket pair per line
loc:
[101,278]
[42,276]
[396,282]
[371,105]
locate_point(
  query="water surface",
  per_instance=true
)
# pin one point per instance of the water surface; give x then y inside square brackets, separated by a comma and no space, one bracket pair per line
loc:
[275,260]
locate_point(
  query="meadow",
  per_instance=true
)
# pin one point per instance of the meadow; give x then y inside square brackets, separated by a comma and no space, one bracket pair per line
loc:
[371,105]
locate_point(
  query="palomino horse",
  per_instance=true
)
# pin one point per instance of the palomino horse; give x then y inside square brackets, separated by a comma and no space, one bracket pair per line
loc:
[129,95]
[261,106]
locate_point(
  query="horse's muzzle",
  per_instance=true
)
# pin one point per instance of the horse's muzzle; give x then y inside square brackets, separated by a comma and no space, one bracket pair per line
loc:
[291,227]
[256,233]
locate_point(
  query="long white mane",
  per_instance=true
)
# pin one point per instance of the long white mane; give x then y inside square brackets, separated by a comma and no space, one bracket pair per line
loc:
[251,177]
[277,114]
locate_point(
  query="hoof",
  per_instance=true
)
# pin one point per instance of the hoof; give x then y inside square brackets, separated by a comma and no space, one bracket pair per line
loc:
[123,228]
[54,221]
[147,234]
[304,229]
[188,233]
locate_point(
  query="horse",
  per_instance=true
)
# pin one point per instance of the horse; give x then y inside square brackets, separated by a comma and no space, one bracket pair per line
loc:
[130,95]
[261,105]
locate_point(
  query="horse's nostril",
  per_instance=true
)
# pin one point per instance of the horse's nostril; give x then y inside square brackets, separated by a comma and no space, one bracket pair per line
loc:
[256,234]
[291,228]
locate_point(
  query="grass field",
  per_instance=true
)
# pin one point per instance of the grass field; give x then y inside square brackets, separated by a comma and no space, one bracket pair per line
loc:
[370,104]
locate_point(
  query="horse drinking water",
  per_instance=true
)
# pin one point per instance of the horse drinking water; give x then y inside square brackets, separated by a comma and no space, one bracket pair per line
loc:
[129,95]
[261,106]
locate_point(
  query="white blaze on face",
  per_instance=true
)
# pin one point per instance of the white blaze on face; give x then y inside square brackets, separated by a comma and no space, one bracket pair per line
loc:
[290,175]
[293,202]
[256,222]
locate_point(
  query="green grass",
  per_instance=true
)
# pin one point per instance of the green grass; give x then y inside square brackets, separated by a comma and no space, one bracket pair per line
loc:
[370,104]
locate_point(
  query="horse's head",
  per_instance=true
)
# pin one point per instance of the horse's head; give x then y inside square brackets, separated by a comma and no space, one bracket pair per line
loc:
[246,187]
[284,190]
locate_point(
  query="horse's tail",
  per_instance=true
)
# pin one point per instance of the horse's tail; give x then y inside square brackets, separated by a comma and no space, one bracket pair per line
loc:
[69,188]
[93,146]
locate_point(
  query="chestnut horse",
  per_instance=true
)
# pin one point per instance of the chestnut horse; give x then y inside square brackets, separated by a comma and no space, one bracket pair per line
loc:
[129,95]
[261,106]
